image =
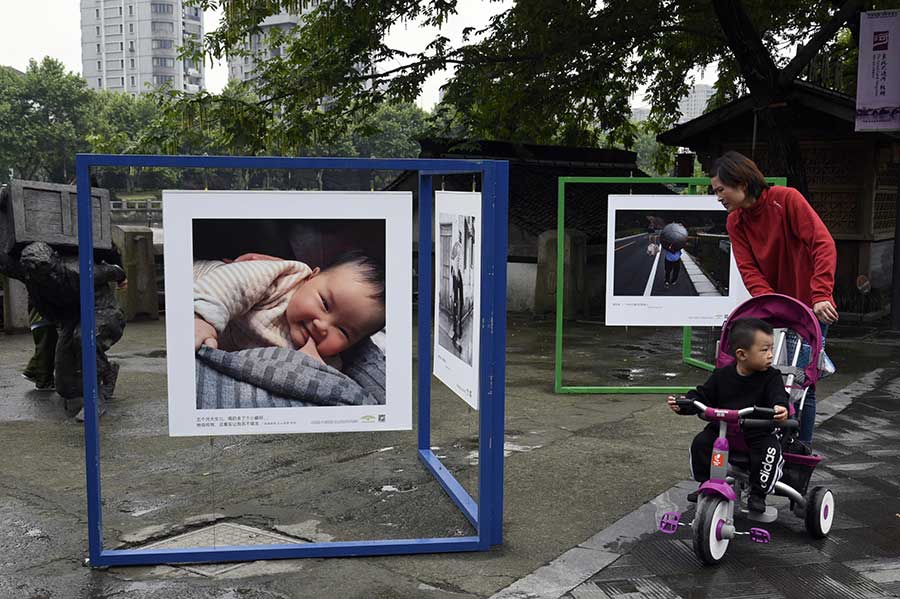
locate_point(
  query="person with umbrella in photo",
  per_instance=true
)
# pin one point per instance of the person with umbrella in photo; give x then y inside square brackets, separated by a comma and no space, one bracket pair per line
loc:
[673,239]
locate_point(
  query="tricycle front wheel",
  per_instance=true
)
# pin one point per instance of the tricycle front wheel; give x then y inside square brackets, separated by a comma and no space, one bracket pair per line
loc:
[710,522]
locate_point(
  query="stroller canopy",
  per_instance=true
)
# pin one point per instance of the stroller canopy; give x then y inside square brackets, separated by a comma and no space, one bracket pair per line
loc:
[780,311]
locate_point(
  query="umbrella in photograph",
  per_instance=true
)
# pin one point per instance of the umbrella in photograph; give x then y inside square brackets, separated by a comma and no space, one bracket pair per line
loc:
[673,237]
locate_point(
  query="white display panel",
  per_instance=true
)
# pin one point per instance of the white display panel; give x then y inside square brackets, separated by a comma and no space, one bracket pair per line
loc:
[457,303]
[640,289]
[389,216]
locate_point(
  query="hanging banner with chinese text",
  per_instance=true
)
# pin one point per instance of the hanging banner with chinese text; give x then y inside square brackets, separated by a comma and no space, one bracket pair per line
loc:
[878,75]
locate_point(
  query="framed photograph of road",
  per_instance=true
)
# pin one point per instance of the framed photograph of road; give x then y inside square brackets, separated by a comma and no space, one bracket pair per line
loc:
[457,305]
[288,312]
[669,262]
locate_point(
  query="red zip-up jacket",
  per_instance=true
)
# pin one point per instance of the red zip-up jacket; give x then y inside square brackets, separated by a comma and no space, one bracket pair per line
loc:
[782,246]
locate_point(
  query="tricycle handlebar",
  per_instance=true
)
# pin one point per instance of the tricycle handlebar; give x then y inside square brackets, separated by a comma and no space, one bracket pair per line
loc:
[761,417]
[751,423]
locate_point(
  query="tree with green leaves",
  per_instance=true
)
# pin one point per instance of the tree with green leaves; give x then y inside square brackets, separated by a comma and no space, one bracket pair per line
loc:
[542,71]
[45,118]
[390,132]
[119,120]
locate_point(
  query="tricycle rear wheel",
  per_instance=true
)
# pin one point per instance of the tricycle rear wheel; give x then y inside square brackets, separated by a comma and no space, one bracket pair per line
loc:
[819,512]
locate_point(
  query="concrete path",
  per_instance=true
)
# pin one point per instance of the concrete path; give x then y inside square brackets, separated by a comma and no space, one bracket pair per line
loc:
[858,432]
[575,465]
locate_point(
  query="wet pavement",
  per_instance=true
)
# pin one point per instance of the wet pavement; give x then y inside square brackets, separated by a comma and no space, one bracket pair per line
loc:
[859,437]
[575,465]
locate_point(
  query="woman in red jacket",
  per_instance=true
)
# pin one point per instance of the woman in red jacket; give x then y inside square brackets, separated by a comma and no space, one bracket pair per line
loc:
[780,245]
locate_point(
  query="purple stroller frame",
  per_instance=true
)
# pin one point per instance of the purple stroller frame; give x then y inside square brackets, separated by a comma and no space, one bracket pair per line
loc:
[780,311]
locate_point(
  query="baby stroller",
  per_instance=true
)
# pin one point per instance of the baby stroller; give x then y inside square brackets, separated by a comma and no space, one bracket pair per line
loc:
[718,503]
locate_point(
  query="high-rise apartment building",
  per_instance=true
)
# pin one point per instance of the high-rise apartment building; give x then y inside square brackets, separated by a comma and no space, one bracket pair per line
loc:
[132,45]
[694,104]
[256,47]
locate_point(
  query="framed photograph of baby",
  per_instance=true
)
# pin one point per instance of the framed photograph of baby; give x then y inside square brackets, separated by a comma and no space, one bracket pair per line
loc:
[288,312]
[669,262]
[457,302]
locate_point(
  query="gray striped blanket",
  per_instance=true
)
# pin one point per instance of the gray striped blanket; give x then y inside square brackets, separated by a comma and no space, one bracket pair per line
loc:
[274,377]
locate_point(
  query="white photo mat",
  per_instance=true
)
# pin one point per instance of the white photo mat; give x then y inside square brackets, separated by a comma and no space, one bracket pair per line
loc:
[181,208]
[651,310]
[456,361]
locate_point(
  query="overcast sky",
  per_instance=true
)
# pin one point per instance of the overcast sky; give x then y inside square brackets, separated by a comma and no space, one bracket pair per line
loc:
[38,28]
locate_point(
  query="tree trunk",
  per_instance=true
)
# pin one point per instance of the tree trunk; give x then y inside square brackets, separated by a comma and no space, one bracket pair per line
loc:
[768,94]
[784,149]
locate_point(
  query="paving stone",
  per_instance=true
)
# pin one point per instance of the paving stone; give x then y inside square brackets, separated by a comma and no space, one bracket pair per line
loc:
[852,544]
[823,581]
[884,452]
[223,534]
[879,513]
[887,486]
[627,566]
[714,583]
[860,559]
[878,570]
[666,556]
[560,576]
[636,588]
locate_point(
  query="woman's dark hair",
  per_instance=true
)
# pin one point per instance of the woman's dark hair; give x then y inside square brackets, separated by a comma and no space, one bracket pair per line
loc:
[743,332]
[733,169]
[371,270]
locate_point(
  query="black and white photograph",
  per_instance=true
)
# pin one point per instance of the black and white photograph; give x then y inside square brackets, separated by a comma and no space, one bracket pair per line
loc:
[294,317]
[457,259]
[669,262]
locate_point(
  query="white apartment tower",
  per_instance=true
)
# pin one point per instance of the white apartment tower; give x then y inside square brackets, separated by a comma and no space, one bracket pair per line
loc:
[694,104]
[242,67]
[132,45]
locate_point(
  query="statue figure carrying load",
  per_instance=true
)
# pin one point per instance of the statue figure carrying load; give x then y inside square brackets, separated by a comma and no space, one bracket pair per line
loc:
[41,251]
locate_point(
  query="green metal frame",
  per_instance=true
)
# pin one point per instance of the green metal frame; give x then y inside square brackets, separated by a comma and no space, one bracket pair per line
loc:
[695,184]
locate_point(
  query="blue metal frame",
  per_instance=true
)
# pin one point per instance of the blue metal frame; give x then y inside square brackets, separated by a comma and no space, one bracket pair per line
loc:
[486,514]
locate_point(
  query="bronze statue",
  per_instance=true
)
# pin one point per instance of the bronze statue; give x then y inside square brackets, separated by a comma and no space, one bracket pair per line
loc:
[51,276]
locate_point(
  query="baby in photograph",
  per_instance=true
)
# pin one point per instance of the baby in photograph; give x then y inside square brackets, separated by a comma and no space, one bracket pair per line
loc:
[285,303]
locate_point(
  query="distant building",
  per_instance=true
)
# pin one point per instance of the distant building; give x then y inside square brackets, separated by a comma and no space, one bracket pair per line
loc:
[242,68]
[132,45]
[256,50]
[694,104]
[640,113]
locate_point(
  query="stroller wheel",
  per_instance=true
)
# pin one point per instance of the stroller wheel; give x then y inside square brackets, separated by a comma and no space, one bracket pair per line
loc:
[819,512]
[710,522]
